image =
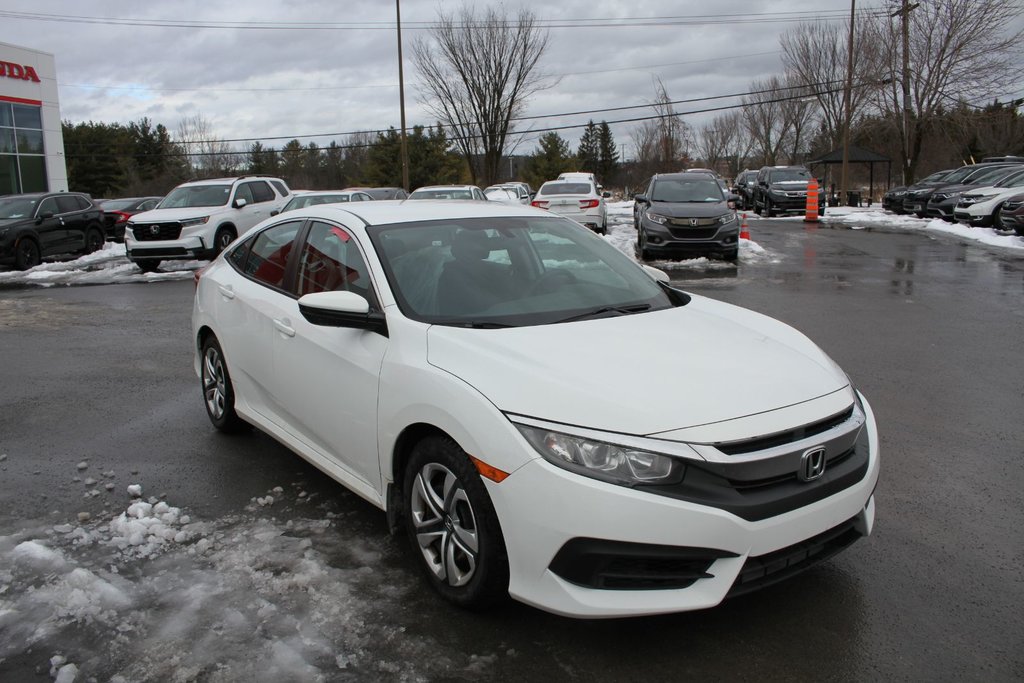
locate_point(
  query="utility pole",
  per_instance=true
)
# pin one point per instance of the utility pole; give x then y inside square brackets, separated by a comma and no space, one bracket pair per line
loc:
[848,104]
[904,13]
[401,97]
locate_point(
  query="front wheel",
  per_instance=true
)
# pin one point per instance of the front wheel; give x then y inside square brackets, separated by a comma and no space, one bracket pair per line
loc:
[223,238]
[769,212]
[641,246]
[452,525]
[731,255]
[218,392]
[26,254]
[148,265]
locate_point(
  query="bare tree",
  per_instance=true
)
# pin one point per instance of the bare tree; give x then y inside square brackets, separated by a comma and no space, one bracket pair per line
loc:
[665,142]
[958,50]
[208,155]
[478,71]
[814,56]
[726,140]
[763,118]
[799,112]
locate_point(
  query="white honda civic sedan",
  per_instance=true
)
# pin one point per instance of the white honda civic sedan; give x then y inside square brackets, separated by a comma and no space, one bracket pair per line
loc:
[471,370]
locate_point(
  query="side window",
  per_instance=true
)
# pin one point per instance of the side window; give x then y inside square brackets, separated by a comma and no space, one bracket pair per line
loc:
[48,205]
[67,204]
[238,254]
[261,192]
[282,189]
[331,261]
[244,192]
[268,255]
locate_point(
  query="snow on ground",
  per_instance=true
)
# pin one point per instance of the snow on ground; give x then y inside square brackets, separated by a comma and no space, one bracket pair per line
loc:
[109,265]
[153,594]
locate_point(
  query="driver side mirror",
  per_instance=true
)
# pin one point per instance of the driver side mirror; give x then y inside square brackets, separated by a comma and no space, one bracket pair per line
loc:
[342,309]
[642,198]
[239,203]
[46,215]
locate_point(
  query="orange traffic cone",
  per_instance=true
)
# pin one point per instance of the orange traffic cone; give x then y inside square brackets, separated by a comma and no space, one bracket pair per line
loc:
[811,216]
[744,230]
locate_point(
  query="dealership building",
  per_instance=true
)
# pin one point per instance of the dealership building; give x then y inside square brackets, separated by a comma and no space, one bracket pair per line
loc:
[31,143]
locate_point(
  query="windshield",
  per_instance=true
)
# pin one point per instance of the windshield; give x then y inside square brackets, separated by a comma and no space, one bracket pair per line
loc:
[511,271]
[989,176]
[688,190]
[501,194]
[935,177]
[1015,179]
[786,175]
[442,193]
[196,195]
[565,188]
[302,201]
[17,207]
[959,174]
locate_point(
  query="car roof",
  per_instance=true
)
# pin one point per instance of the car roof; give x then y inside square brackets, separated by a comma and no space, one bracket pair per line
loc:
[398,211]
[445,187]
[321,193]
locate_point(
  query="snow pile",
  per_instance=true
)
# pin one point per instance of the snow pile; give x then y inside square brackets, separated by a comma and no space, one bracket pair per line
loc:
[108,265]
[150,595]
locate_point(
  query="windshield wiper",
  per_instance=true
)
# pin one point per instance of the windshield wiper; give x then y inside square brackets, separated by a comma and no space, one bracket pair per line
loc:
[602,310]
[472,324]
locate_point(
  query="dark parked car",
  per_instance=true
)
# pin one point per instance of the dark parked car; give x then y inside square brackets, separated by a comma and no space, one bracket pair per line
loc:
[744,189]
[1011,215]
[893,199]
[685,214]
[916,199]
[783,189]
[116,213]
[943,200]
[48,224]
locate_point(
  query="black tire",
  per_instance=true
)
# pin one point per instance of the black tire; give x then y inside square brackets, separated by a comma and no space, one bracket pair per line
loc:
[769,211]
[223,238]
[997,218]
[94,240]
[218,392]
[443,528]
[26,254]
[148,265]
[641,247]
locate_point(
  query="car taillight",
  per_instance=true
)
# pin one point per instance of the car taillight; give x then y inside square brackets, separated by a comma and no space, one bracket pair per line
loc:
[121,216]
[539,204]
[198,274]
[589,203]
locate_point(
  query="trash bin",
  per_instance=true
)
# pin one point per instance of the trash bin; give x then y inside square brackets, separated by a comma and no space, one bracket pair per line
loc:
[853,198]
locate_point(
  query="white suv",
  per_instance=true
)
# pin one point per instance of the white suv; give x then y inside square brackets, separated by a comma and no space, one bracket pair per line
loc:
[198,219]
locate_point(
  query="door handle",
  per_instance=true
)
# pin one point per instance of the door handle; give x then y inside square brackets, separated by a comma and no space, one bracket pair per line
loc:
[227,291]
[284,327]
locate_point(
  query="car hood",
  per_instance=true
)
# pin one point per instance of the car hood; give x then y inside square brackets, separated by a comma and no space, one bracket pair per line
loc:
[14,222]
[690,209]
[161,215]
[641,374]
[951,189]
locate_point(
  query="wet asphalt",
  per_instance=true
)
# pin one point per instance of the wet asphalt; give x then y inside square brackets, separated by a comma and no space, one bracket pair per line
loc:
[929,329]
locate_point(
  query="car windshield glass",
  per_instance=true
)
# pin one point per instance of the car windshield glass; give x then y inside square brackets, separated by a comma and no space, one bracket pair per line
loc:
[17,207]
[935,177]
[785,175]
[1015,179]
[443,193]
[959,174]
[500,194]
[302,201]
[989,176]
[565,188]
[690,190]
[117,204]
[196,195]
[511,271]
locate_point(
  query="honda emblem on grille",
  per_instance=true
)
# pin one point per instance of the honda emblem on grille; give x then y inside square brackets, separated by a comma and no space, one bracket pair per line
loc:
[693,221]
[154,230]
[812,464]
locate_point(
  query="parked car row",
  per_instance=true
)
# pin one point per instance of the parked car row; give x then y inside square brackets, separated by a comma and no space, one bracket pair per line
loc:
[987,194]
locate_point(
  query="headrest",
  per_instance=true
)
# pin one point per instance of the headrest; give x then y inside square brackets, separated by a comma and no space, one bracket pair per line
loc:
[471,245]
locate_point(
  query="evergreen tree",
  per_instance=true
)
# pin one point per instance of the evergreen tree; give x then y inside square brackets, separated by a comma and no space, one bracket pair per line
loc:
[589,151]
[608,156]
[550,159]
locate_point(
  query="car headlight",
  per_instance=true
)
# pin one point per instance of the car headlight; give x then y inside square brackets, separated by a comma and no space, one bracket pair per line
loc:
[727,218]
[777,192]
[600,460]
[189,222]
[656,218]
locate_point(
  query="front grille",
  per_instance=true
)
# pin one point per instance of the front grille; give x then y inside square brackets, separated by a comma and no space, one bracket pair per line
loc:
[765,570]
[693,233]
[1011,206]
[152,232]
[692,222]
[760,444]
[619,565]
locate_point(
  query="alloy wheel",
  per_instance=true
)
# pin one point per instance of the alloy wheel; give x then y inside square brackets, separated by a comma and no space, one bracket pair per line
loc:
[214,383]
[445,524]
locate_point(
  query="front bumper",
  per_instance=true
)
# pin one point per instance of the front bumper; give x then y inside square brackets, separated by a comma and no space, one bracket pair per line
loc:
[786,204]
[581,515]
[191,247]
[941,209]
[666,240]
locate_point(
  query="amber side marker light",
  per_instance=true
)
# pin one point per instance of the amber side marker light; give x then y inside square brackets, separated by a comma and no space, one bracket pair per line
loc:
[485,470]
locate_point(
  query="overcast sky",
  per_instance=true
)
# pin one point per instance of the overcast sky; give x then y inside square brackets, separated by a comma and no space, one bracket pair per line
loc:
[334,67]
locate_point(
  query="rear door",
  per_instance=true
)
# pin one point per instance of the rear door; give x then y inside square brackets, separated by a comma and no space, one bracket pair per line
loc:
[74,214]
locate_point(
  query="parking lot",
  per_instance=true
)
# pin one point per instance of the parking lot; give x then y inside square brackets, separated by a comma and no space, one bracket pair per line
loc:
[284,575]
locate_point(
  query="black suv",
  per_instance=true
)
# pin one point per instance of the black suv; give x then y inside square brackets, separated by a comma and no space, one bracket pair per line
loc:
[685,214]
[783,189]
[48,224]
[744,188]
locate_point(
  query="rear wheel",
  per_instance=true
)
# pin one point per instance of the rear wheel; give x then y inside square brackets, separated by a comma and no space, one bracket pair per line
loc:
[94,240]
[218,392]
[452,525]
[997,218]
[26,254]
